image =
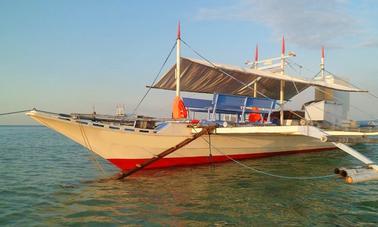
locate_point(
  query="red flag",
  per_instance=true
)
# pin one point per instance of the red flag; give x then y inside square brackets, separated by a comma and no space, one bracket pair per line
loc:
[256,53]
[178,30]
[322,51]
[283,45]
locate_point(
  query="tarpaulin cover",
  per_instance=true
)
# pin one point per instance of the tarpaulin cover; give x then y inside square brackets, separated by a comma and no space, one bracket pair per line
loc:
[202,77]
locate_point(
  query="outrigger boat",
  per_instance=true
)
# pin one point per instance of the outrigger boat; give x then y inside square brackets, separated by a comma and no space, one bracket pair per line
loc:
[245,119]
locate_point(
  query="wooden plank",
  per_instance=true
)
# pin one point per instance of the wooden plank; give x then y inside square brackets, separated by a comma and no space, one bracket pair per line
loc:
[205,131]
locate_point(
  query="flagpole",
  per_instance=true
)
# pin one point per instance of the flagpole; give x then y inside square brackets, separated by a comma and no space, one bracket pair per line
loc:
[255,66]
[322,64]
[282,82]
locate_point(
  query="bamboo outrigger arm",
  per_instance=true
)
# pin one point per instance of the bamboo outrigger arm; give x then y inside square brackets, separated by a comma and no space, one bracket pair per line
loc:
[354,175]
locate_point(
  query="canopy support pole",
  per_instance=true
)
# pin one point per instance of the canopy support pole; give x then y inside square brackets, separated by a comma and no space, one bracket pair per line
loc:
[282,87]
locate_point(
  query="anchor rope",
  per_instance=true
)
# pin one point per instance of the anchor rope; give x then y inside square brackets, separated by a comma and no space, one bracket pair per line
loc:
[264,172]
[153,82]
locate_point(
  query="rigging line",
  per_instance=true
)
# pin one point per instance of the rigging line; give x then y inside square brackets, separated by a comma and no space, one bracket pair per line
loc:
[339,99]
[372,94]
[224,72]
[221,70]
[355,107]
[301,66]
[153,82]
[332,74]
[227,74]
[14,112]
[369,92]
[267,173]
[292,67]
[335,97]
[295,86]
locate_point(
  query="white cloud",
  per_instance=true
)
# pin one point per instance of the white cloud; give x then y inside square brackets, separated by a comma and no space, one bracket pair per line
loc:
[306,23]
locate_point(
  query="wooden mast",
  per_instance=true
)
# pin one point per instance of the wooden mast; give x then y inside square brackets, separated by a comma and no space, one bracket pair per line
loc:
[179,111]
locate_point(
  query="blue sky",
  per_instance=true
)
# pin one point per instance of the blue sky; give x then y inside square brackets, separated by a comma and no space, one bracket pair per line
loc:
[66,56]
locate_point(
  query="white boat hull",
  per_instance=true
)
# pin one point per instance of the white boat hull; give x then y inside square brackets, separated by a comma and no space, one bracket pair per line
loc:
[126,148]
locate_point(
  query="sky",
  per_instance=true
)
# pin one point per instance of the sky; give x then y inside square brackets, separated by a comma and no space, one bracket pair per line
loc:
[73,56]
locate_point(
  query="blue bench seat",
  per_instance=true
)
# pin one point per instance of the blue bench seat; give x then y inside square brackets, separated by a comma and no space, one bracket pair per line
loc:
[231,104]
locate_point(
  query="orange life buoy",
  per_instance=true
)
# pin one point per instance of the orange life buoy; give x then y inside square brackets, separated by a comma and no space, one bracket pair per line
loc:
[179,110]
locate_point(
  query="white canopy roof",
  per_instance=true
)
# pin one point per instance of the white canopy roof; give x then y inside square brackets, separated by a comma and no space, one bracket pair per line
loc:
[204,77]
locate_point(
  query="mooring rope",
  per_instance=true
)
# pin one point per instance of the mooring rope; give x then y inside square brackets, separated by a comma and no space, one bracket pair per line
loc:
[85,138]
[24,111]
[14,112]
[267,173]
[153,82]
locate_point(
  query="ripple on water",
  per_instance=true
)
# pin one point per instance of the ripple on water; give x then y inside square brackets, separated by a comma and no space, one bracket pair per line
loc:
[43,174]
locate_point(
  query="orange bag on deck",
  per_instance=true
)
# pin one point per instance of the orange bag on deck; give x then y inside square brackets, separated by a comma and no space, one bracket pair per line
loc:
[256,116]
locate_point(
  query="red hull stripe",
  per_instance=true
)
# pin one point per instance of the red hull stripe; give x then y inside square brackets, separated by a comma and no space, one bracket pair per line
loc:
[125,164]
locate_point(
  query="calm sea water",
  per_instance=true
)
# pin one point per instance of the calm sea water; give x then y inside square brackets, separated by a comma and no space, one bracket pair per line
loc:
[43,183]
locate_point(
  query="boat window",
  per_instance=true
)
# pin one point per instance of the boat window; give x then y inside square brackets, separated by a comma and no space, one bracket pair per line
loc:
[160,126]
[145,124]
[63,118]
[82,122]
[112,127]
[145,131]
[98,125]
[129,129]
